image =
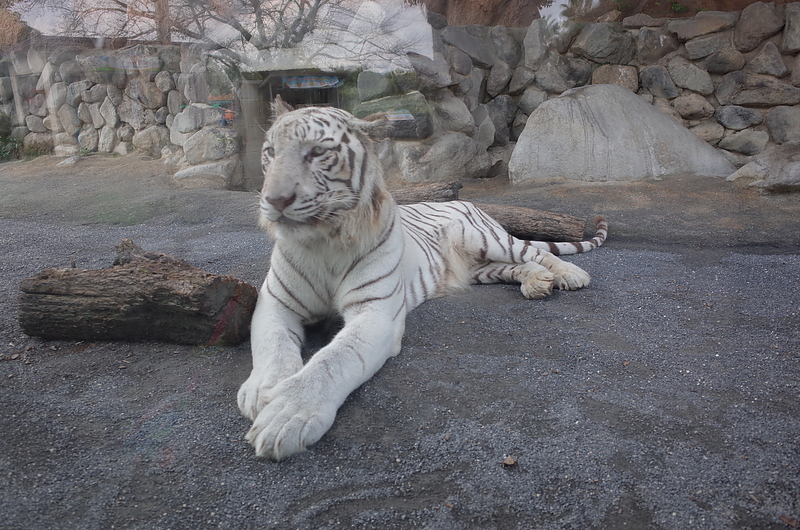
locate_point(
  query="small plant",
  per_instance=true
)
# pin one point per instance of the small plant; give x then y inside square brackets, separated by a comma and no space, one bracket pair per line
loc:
[10,148]
[677,7]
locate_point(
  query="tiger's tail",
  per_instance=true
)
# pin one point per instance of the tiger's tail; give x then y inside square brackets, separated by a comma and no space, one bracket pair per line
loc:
[566,248]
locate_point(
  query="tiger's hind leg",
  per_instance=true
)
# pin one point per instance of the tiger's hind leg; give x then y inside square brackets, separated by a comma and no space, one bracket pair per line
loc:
[568,277]
[534,279]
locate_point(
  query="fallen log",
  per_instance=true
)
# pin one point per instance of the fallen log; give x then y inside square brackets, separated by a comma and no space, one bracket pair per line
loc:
[537,225]
[438,192]
[523,223]
[145,296]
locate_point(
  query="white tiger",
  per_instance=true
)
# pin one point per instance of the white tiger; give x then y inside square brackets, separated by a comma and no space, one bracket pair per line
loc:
[343,247]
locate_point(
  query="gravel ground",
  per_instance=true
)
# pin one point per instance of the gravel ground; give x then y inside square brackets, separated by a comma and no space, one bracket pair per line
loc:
[664,395]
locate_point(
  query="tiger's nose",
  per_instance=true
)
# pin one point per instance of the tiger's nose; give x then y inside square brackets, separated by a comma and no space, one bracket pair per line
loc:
[280,203]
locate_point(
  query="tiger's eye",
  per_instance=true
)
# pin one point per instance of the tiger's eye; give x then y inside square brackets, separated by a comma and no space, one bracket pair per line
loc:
[317,150]
[270,151]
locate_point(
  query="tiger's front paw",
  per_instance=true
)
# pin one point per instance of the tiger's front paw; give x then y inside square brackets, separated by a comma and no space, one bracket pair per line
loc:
[294,417]
[569,277]
[252,396]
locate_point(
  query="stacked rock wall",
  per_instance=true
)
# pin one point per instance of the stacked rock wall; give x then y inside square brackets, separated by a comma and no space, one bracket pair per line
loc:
[150,99]
[731,78]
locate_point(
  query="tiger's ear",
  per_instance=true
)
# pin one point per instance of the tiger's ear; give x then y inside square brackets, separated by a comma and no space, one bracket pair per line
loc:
[279,107]
[376,126]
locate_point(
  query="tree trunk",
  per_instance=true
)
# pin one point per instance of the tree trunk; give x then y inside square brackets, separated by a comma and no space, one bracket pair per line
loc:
[536,225]
[522,223]
[144,297]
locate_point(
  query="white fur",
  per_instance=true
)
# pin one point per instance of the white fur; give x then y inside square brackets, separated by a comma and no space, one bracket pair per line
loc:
[369,264]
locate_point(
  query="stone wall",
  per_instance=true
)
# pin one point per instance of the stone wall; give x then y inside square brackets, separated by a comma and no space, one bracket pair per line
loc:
[731,78]
[158,100]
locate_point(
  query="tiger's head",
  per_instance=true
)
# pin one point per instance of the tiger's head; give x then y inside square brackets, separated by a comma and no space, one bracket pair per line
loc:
[320,171]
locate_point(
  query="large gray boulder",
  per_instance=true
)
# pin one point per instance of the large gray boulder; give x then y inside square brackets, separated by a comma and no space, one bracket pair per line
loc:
[775,170]
[605,133]
[442,158]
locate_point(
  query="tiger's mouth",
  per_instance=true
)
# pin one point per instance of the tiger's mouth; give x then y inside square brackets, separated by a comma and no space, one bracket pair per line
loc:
[288,221]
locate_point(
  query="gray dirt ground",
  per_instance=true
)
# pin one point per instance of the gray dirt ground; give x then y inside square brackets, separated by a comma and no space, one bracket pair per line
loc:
[664,395]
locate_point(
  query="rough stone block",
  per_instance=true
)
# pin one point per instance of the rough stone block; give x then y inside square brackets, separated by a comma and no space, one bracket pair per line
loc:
[757,22]
[624,76]
[748,141]
[783,124]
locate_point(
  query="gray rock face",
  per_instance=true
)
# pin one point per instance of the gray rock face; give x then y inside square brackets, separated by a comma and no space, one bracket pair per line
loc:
[709,131]
[88,138]
[75,91]
[521,79]
[107,140]
[532,98]
[768,61]
[95,94]
[189,120]
[737,118]
[174,102]
[498,79]
[450,156]
[605,43]
[640,20]
[655,43]
[724,61]
[450,113]
[132,113]
[95,115]
[791,31]
[560,73]
[459,61]
[535,44]
[704,46]
[501,111]
[217,175]
[472,46]
[703,23]
[125,133]
[69,119]
[624,76]
[35,124]
[604,132]
[109,113]
[748,141]
[151,140]
[146,93]
[431,73]
[757,22]
[690,76]
[657,81]
[777,169]
[164,81]
[784,124]
[693,107]
[738,88]
[209,144]
[505,45]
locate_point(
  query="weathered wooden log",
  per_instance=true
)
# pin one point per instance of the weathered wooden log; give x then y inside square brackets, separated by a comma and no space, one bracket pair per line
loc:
[145,296]
[523,223]
[539,225]
[438,192]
